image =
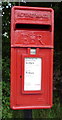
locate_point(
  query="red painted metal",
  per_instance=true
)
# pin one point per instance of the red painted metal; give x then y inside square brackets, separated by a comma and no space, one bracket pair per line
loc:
[31,27]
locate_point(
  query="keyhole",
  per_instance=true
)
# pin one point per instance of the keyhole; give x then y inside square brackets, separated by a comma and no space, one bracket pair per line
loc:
[20,76]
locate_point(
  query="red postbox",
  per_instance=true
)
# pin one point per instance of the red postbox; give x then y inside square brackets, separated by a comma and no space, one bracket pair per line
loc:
[32,31]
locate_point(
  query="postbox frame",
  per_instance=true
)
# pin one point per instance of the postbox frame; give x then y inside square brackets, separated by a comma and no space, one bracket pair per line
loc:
[14,98]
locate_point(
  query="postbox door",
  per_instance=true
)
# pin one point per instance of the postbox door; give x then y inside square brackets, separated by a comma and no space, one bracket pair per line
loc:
[27,96]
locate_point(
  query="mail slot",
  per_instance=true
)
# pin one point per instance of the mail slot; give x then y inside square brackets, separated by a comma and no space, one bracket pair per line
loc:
[32,33]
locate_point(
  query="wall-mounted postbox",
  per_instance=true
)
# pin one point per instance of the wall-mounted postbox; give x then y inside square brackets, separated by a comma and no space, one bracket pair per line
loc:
[32,31]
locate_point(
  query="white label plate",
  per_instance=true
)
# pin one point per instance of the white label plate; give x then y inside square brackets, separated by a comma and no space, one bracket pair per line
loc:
[32,74]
